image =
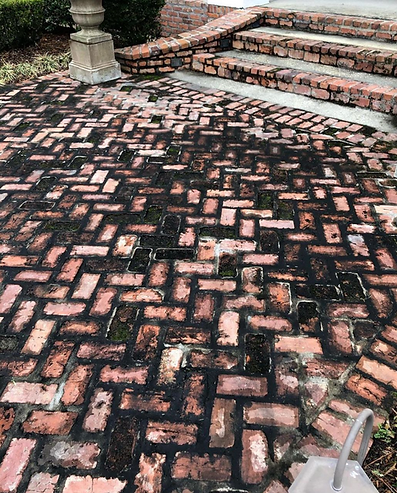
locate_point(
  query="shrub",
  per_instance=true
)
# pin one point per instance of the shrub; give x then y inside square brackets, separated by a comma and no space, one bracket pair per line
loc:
[132,21]
[21,22]
[129,21]
[40,65]
[57,15]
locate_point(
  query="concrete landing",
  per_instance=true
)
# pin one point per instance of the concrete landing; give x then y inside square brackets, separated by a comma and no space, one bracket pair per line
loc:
[385,9]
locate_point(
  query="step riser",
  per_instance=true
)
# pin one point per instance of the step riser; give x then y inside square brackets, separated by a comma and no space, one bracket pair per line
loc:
[358,59]
[355,27]
[316,86]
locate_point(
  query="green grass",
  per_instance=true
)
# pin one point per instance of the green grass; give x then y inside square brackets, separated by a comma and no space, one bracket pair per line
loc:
[40,65]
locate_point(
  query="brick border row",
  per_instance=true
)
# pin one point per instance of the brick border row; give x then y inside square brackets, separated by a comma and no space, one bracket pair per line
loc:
[317,86]
[168,54]
[357,58]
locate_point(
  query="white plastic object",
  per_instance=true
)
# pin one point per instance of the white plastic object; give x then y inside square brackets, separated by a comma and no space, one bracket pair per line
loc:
[327,475]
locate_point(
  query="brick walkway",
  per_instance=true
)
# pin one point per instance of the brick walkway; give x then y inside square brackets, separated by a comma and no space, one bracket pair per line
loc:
[197,290]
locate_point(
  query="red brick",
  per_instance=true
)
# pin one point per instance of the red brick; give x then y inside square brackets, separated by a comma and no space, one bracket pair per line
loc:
[339,332]
[89,350]
[146,342]
[8,297]
[213,359]
[150,473]
[125,279]
[154,402]
[29,393]
[76,384]
[298,344]
[7,416]
[204,308]
[271,414]
[194,391]
[252,279]
[50,422]
[57,360]
[367,389]
[242,385]
[228,328]
[70,270]
[255,456]
[68,309]
[168,432]
[378,371]
[14,463]
[270,323]
[17,368]
[335,428]
[177,313]
[77,484]
[79,328]
[38,337]
[103,302]
[158,274]
[42,482]
[23,316]
[70,454]
[222,423]
[86,286]
[170,363]
[128,375]
[98,411]
[279,297]
[205,468]
[275,487]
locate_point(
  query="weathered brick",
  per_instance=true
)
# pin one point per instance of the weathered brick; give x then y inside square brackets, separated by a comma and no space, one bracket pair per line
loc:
[271,414]
[38,337]
[222,423]
[42,482]
[14,463]
[82,455]
[255,455]
[98,411]
[96,485]
[7,416]
[50,422]
[29,393]
[168,432]
[205,468]
[76,384]
[150,473]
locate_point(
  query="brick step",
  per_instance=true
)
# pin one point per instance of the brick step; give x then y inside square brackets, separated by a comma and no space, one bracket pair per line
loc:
[343,25]
[381,58]
[338,90]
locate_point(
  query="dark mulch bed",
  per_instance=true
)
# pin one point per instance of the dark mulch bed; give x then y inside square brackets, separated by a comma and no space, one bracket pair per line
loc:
[381,461]
[51,44]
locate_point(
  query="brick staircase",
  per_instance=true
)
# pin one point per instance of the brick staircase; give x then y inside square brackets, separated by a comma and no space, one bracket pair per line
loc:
[346,60]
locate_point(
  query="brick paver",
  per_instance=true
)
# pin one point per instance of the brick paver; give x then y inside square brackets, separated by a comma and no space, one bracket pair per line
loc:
[198,290]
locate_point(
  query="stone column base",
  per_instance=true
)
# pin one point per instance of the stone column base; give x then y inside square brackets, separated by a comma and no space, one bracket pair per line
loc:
[93,58]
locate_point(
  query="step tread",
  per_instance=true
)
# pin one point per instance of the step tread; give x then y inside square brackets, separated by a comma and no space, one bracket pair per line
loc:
[381,121]
[344,25]
[332,39]
[310,67]
[343,91]
[368,8]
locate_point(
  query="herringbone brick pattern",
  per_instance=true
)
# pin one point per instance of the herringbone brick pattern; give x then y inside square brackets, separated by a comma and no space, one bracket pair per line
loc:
[198,290]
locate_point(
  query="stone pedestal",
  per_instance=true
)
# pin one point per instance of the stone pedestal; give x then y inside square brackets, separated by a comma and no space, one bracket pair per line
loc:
[93,60]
